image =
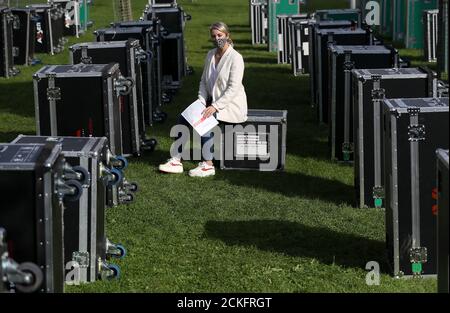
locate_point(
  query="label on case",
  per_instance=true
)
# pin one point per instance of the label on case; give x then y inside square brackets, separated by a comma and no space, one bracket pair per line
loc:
[305,48]
[251,145]
[24,155]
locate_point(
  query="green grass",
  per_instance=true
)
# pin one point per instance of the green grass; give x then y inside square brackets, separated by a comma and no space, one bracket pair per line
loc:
[295,231]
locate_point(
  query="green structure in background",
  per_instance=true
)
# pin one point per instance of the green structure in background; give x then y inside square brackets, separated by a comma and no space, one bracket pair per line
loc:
[84,14]
[277,7]
[386,17]
[414,21]
[399,20]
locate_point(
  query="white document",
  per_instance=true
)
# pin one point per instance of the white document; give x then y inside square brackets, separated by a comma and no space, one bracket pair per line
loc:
[193,114]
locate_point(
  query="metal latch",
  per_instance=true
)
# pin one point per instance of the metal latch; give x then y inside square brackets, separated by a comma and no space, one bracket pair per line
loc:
[417,257]
[85,58]
[82,258]
[348,65]
[347,150]
[378,94]
[16,51]
[123,85]
[413,111]
[416,132]
[53,93]
[142,55]
[15,22]
[378,196]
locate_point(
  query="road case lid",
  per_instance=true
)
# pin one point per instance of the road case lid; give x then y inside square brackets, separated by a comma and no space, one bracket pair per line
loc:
[442,155]
[105,44]
[337,11]
[119,30]
[299,17]
[23,10]
[341,31]
[128,24]
[78,70]
[28,156]
[40,6]
[391,73]
[363,49]
[83,145]
[424,105]
[329,24]
[267,115]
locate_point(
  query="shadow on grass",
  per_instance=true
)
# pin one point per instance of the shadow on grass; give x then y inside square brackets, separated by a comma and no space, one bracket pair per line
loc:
[17,98]
[298,240]
[7,137]
[292,185]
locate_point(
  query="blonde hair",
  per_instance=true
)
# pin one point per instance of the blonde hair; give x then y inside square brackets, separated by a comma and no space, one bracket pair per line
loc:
[223,28]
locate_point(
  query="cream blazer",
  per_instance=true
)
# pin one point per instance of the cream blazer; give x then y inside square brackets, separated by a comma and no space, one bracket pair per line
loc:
[228,93]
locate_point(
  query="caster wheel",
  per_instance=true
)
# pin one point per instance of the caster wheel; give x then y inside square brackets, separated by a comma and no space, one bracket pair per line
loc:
[77,193]
[118,177]
[127,198]
[132,187]
[115,269]
[122,162]
[37,277]
[150,144]
[123,252]
[190,70]
[84,180]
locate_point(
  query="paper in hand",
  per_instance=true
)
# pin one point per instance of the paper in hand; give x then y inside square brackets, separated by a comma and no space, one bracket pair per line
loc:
[193,114]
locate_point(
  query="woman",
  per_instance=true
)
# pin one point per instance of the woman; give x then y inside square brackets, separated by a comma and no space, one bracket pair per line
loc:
[221,91]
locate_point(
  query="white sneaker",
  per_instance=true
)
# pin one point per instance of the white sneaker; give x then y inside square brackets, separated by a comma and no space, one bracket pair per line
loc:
[172,165]
[202,170]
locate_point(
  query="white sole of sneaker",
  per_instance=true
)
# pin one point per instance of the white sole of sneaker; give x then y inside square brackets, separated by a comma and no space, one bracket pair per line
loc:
[203,175]
[170,171]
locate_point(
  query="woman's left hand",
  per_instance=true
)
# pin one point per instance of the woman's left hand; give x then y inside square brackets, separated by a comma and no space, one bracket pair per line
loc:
[209,111]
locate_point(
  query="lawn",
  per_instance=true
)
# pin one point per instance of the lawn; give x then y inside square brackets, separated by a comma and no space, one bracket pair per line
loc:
[239,231]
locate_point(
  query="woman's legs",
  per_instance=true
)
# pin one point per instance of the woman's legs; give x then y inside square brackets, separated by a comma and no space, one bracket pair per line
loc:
[207,142]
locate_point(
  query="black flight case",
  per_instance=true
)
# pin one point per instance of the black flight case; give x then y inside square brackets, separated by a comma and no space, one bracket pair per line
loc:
[443,219]
[343,59]
[370,86]
[85,241]
[312,28]
[24,36]
[257,144]
[34,219]
[7,23]
[151,70]
[128,54]
[414,129]
[49,28]
[81,100]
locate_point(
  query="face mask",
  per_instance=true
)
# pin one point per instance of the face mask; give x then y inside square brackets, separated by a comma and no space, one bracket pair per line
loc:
[220,42]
